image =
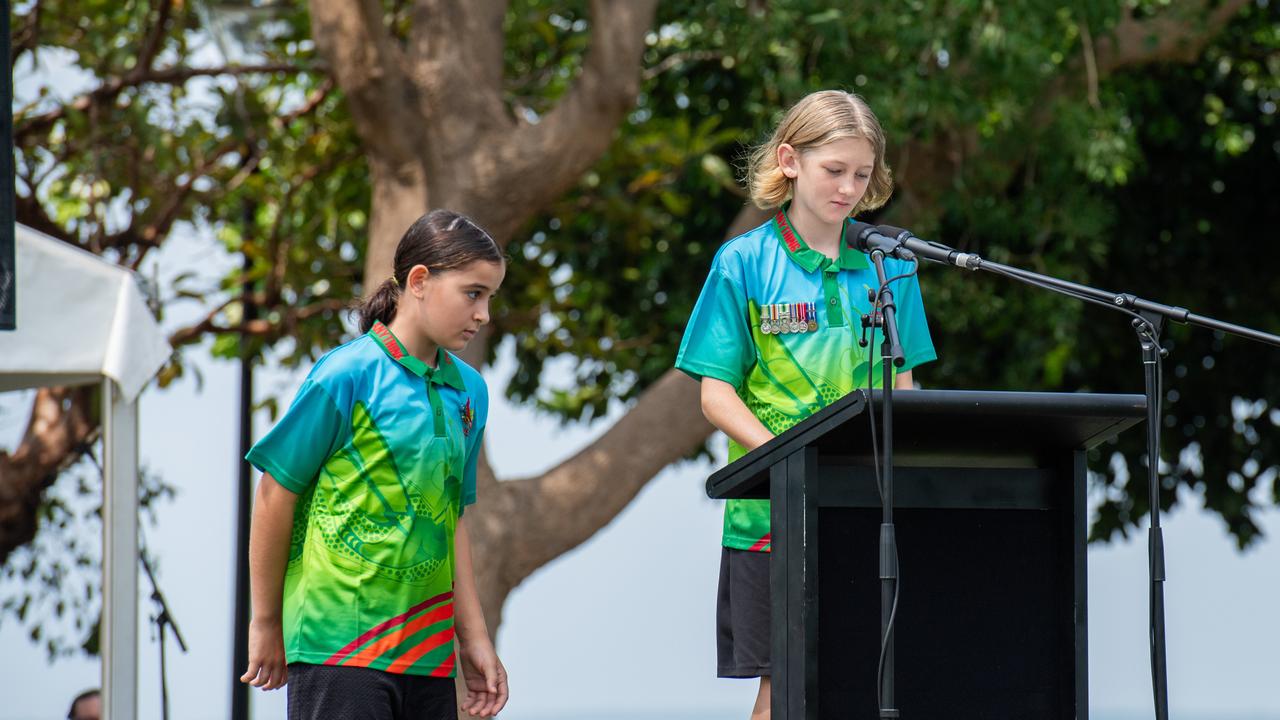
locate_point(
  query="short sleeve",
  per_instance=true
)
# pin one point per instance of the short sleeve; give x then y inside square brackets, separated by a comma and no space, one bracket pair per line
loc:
[913,327]
[474,445]
[717,341]
[302,440]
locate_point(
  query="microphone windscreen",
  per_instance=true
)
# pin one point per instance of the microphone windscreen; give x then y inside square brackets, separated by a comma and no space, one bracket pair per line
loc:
[856,234]
[896,233]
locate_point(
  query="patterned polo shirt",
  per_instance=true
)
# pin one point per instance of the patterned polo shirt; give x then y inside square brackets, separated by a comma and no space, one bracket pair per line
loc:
[382,450]
[780,322]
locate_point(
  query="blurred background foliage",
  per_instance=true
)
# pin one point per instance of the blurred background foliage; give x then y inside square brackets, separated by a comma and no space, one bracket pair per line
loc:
[218,119]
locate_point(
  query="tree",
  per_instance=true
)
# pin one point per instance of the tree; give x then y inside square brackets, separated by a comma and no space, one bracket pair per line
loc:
[597,141]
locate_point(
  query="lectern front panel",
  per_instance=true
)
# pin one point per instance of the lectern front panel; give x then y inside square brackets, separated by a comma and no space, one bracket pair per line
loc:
[984,624]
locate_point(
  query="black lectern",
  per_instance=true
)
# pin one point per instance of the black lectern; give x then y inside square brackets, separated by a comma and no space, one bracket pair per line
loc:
[990,512]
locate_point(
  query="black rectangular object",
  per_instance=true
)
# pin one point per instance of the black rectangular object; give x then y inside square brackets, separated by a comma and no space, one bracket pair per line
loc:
[990,517]
[8,266]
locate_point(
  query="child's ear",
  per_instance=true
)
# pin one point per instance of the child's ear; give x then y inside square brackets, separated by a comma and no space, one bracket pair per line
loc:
[417,278]
[788,161]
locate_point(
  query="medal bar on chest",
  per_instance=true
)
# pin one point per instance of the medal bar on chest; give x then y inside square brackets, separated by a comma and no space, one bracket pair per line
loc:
[788,318]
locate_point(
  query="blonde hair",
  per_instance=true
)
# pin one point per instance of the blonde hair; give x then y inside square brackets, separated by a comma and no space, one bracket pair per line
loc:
[817,119]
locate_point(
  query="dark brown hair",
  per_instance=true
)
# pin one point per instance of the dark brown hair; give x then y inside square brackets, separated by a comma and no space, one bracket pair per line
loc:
[441,240]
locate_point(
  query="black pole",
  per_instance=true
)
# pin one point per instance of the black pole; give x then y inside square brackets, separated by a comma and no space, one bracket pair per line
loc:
[240,659]
[1151,352]
[884,312]
[888,545]
[8,266]
[164,685]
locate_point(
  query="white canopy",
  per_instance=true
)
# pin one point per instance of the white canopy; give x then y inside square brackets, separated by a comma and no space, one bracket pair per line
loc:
[83,320]
[79,318]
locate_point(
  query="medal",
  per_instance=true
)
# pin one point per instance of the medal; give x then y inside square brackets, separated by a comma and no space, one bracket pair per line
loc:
[765,326]
[784,318]
[813,316]
[797,325]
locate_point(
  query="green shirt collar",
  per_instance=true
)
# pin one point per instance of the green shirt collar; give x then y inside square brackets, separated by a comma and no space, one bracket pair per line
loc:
[810,259]
[445,372]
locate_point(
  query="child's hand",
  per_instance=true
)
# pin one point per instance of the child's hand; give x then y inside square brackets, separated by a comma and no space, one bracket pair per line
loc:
[486,679]
[267,667]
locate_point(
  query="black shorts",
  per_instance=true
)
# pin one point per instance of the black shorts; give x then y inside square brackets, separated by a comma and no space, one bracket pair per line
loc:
[742,615]
[326,692]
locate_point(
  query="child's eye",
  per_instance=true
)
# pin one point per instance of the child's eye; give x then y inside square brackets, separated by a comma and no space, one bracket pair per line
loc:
[864,176]
[473,294]
[833,171]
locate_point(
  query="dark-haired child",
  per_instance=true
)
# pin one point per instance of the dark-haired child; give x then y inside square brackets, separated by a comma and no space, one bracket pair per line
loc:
[360,562]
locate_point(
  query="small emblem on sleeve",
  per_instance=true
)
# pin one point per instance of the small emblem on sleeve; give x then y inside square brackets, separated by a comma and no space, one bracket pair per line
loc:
[468,415]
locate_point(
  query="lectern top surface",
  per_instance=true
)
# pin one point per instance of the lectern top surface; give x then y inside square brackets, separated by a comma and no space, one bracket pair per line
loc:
[946,427]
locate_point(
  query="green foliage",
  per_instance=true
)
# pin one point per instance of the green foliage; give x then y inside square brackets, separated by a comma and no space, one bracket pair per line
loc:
[543,53]
[1126,184]
[1037,174]
[267,162]
[1193,233]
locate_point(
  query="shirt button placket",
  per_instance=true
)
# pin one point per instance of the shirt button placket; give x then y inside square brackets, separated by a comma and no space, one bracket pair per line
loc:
[831,290]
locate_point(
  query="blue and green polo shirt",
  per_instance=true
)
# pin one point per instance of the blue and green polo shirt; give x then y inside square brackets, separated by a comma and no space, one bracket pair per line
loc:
[780,322]
[382,449]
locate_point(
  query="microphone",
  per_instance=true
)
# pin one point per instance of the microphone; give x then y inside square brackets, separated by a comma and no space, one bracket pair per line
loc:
[936,252]
[867,238]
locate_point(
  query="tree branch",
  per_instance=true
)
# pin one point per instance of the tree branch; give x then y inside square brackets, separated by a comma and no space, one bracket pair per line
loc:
[574,134]
[58,433]
[1178,34]
[151,234]
[675,60]
[26,38]
[368,66]
[155,38]
[260,327]
[110,89]
[566,505]
[313,101]
[29,212]
[582,494]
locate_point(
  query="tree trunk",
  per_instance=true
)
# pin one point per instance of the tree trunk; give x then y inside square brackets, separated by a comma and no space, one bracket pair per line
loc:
[522,524]
[399,198]
[60,430]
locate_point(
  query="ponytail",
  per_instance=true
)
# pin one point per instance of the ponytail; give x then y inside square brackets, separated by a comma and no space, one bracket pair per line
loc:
[380,306]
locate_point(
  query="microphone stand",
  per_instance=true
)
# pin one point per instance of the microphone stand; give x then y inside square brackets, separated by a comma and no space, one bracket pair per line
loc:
[162,619]
[890,351]
[1148,322]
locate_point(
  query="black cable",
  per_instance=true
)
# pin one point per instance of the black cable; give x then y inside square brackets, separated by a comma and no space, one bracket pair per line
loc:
[884,644]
